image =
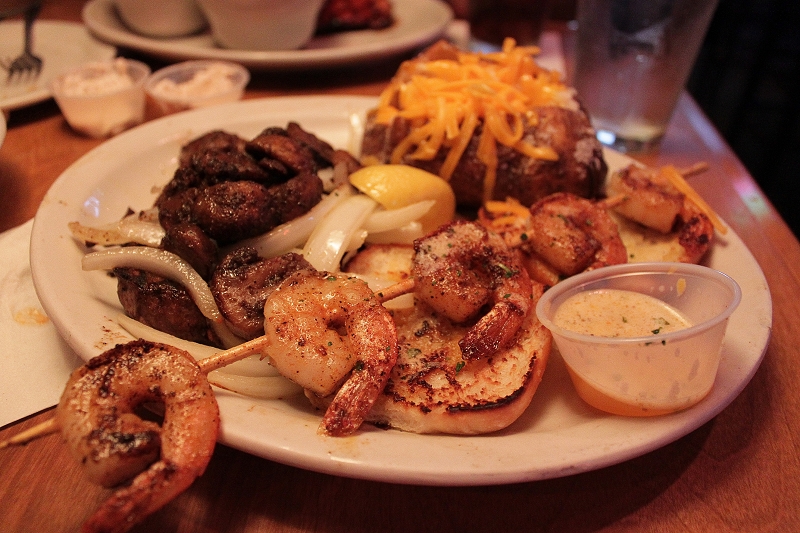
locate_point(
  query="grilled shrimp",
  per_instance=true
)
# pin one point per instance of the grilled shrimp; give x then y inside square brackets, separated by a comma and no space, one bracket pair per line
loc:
[639,195]
[574,234]
[113,444]
[462,267]
[645,196]
[327,330]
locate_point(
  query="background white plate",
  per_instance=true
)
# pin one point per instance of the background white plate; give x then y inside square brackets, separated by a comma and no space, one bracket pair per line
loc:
[558,435]
[417,23]
[62,46]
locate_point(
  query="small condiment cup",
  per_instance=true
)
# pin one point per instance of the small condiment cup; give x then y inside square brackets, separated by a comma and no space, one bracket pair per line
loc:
[655,374]
[102,98]
[194,84]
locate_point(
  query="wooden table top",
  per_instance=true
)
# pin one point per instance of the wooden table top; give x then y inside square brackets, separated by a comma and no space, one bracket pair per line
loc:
[740,472]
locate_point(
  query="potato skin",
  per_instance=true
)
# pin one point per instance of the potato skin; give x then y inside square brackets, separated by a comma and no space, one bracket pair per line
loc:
[580,169]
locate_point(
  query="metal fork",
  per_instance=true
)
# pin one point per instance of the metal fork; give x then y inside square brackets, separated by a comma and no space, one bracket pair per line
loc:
[27,65]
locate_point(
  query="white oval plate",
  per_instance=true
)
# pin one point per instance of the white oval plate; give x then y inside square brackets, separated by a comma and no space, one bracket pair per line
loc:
[61,45]
[558,435]
[418,23]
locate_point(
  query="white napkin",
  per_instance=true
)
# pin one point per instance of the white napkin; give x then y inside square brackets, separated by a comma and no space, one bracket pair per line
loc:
[34,362]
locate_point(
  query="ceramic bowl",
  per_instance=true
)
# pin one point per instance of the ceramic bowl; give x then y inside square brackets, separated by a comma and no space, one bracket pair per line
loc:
[161,18]
[262,24]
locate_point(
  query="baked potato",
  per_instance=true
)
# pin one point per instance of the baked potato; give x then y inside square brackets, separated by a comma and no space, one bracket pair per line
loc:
[554,148]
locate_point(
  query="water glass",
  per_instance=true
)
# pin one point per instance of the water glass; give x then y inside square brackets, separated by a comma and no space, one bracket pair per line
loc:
[633,58]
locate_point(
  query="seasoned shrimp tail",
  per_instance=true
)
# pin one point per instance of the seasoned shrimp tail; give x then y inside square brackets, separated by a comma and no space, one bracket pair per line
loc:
[494,331]
[327,332]
[353,402]
[97,419]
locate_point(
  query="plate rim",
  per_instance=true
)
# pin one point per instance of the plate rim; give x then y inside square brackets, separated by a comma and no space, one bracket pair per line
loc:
[438,17]
[345,457]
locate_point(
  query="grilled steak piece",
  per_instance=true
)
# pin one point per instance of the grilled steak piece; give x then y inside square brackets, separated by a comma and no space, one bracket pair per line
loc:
[162,304]
[234,189]
[191,244]
[243,281]
[196,168]
[216,140]
[294,156]
[236,210]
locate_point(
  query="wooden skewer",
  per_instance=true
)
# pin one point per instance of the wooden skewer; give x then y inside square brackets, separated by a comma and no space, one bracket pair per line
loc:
[231,355]
[40,430]
[256,346]
[697,168]
[611,202]
[209,364]
[393,291]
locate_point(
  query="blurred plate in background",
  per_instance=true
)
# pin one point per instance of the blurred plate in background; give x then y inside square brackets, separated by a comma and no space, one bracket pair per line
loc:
[418,23]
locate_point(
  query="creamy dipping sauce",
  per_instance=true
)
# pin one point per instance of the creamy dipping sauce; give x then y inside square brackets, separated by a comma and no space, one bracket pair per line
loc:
[618,313]
[210,81]
[98,79]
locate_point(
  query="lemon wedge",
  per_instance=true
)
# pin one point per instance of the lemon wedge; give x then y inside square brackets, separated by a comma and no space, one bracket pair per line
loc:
[395,186]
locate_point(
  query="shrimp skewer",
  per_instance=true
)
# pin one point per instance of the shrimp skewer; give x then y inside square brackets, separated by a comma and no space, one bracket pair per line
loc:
[327,331]
[96,411]
[96,417]
[458,270]
[359,312]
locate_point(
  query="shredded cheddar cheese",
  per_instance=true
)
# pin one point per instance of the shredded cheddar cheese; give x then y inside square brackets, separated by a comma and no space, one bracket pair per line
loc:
[446,100]
[508,218]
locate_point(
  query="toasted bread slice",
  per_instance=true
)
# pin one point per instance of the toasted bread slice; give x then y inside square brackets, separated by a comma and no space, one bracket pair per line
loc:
[687,244]
[431,388]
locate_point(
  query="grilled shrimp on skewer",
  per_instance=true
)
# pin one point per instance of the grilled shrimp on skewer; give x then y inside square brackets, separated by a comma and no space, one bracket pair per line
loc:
[458,270]
[559,235]
[574,234]
[96,418]
[682,225]
[96,412]
[325,330]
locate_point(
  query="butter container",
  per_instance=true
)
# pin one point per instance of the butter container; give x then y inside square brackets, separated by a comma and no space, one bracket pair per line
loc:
[102,98]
